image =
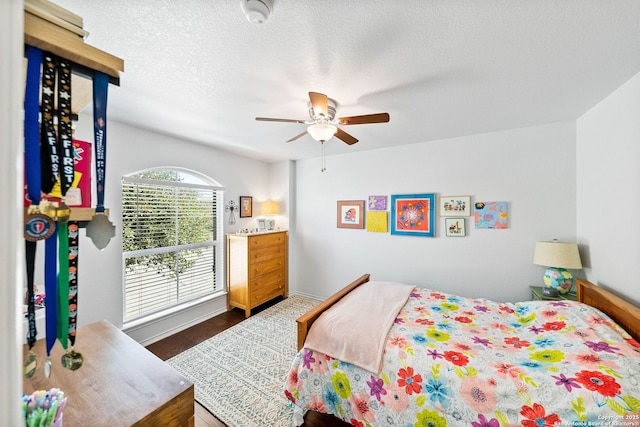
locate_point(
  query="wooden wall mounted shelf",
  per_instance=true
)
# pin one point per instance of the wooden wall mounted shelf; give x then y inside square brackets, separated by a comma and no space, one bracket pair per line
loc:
[81,214]
[47,36]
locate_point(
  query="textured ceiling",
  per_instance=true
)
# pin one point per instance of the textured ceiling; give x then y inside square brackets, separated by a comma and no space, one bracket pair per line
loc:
[199,70]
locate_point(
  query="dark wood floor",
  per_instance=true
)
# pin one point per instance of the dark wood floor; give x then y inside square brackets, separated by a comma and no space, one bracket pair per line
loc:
[175,344]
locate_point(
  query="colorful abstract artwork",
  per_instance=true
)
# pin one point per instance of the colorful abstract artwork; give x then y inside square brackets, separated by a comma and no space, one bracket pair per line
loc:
[377,221]
[377,203]
[413,214]
[491,215]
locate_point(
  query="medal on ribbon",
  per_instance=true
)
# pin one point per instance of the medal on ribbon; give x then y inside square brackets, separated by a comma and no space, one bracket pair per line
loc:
[33,229]
[37,225]
[100,229]
[50,296]
[72,359]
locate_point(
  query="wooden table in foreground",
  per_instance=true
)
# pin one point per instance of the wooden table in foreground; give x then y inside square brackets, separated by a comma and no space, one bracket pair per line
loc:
[119,384]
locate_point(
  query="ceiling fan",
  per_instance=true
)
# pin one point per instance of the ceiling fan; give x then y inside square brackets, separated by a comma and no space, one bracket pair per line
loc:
[323,125]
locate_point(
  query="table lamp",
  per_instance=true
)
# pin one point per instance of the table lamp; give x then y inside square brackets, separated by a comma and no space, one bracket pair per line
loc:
[557,256]
[269,208]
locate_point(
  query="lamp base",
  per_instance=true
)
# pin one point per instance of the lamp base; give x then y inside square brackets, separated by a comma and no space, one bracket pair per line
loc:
[559,279]
[271,224]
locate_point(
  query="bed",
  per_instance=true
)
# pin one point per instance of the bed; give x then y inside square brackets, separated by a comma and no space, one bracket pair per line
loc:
[455,361]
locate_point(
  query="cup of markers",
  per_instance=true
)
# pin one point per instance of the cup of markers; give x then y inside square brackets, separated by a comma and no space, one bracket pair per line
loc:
[43,408]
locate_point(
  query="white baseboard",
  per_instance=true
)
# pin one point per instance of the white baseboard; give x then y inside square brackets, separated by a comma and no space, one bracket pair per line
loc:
[304,294]
[178,328]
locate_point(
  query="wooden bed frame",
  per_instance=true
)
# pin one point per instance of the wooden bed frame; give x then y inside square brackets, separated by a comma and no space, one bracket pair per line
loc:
[622,312]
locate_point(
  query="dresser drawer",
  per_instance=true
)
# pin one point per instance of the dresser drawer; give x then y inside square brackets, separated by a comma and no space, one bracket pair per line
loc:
[270,279]
[264,295]
[259,255]
[266,266]
[266,240]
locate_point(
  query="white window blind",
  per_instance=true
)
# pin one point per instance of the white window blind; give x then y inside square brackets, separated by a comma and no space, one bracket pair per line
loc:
[170,242]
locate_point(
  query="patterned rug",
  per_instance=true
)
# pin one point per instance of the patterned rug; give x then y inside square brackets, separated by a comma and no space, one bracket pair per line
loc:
[239,373]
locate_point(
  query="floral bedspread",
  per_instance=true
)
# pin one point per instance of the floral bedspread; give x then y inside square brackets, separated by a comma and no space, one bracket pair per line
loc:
[452,361]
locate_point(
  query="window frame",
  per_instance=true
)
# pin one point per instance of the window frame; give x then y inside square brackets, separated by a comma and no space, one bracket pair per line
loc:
[217,244]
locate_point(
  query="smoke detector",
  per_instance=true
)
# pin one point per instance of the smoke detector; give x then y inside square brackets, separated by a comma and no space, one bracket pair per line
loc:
[257,11]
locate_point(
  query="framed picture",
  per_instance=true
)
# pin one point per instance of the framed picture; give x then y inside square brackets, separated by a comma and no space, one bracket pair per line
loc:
[262,224]
[377,221]
[377,203]
[350,213]
[491,215]
[454,227]
[246,206]
[413,214]
[455,206]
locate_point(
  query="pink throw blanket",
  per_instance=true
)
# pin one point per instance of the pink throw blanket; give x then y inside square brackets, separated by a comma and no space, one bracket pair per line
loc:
[355,329]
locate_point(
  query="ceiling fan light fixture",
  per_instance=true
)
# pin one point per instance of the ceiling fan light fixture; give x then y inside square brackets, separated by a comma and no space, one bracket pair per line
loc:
[257,11]
[322,132]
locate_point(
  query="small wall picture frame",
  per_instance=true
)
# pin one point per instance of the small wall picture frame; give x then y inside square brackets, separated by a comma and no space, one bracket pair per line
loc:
[246,206]
[377,203]
[454,206]
[454,227]
[350,214]
[262,224]
[377,221]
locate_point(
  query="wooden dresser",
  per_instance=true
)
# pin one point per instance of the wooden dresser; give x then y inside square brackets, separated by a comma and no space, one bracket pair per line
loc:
[256,268]
[120,382]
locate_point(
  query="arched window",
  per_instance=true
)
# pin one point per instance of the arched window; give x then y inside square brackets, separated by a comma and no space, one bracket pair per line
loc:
[171,247]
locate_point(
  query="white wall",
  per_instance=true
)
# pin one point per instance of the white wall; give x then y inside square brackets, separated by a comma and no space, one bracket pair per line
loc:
[280,180]
[282,190]
[132,149]
[608,191]
[531,168]
[12,247]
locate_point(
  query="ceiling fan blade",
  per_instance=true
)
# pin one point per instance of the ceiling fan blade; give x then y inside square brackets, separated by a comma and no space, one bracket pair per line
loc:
[269,119]
[319,103]
[367,118]
[348,139]
[298,136]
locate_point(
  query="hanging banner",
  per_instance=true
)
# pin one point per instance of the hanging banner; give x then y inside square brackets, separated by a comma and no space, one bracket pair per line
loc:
[79,194]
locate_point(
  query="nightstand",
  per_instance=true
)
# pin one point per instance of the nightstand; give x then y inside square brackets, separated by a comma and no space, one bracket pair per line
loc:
[536,295]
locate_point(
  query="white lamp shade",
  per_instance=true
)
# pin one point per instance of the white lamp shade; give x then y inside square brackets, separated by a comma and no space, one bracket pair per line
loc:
[557,254]
[322,132]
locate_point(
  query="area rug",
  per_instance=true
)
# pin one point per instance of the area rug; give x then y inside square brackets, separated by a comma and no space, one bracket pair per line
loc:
[239,373]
